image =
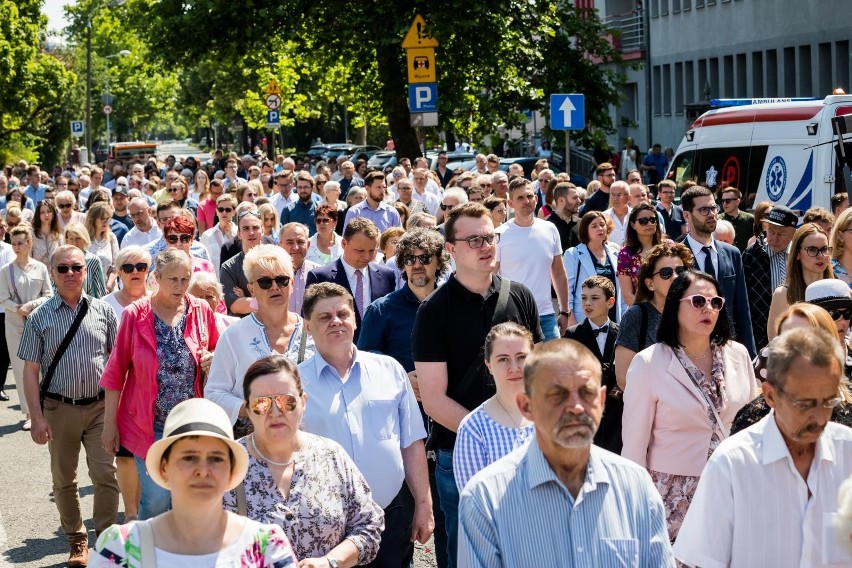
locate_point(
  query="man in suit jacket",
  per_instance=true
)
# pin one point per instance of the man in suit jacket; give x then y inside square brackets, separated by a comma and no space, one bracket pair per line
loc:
[722,261]
[365,280]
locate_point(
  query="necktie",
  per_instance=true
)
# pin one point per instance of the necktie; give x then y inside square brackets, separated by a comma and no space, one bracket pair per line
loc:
[359,292]
[598,331]
[708,261]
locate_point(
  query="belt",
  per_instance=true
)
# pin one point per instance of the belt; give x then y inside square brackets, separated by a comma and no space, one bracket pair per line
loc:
[75,401]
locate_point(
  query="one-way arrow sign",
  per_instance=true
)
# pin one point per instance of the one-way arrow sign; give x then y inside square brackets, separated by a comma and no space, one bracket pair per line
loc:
[567,112]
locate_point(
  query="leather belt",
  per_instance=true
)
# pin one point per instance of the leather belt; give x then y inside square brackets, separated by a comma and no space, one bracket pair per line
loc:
[75,401]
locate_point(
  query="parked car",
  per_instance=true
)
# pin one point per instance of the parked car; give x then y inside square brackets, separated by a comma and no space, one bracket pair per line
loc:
[365,152]
[528,163]
[318,151]
[382,160]
[336,150]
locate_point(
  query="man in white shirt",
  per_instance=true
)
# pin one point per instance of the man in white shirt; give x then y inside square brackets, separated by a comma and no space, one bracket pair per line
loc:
[619,211]
[144,230]
[421,193]
[530,252]
[768,494]
[285,195]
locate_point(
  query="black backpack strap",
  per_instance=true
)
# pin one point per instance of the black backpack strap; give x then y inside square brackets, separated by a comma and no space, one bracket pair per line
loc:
[66,341]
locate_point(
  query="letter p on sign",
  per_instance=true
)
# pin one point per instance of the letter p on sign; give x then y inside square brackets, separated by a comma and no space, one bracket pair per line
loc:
[423,97]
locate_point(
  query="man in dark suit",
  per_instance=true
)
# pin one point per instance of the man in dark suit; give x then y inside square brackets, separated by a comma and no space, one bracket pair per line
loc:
[720,260]
[365,280]
[598,334]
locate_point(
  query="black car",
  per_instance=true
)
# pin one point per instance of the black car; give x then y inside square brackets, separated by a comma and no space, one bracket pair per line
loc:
[529,165]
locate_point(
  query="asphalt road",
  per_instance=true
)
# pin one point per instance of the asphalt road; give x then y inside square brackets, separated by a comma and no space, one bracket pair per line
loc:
[30,536]
[180,150]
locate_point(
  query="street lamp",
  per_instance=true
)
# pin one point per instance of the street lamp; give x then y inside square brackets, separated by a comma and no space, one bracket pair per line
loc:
[89,72]
[107,96]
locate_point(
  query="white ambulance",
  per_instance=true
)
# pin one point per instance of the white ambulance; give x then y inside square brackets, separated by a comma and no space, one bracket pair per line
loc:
[778,150]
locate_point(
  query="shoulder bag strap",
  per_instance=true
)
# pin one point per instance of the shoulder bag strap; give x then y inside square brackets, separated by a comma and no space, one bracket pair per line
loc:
[643,325]
[146,544]
[242,508]
[66,341]
[302,342]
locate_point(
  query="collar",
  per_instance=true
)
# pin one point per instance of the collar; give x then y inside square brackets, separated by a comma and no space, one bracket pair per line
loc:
[775,449]
[605,325]
[350,270]
[466,294]
[382,205]
[540,471]
[321,364]
[60,301]
[696,246]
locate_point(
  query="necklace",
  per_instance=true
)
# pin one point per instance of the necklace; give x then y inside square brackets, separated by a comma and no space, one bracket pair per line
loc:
[506,412]
[266,459]
[701,358]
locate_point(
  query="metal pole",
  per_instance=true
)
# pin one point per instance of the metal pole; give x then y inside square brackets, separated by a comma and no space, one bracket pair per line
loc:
[568,152]
[345,124]
[107,119]
[89,88]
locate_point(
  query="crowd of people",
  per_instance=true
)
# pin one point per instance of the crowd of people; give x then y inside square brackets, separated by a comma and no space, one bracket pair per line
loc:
[276,363]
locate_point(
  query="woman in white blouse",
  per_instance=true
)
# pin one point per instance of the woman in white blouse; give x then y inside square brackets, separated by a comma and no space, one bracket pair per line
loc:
[24,285]
[104,244]
[224,231]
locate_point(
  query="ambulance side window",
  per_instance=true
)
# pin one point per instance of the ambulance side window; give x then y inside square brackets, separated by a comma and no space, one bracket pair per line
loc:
[681,169]
[842,183]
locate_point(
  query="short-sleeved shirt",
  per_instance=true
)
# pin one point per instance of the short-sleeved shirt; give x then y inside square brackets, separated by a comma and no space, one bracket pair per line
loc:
[450,328]
[526,254]
[631,325]
[569,235]
[384,216]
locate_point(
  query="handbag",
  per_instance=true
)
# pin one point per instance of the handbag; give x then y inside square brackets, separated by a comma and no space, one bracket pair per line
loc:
[66,341]
[146,544]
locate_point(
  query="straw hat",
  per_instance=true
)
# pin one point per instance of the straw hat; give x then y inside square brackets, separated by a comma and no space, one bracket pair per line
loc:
[197,417]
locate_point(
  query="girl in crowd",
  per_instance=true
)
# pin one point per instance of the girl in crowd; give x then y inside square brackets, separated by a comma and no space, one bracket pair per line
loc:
[47,235]
[104,244]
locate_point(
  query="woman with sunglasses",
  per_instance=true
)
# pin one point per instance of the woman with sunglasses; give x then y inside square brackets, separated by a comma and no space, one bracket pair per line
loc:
[66,203]
[178,233]
[47,236]
[272,328]
[224,231]
[643,233]
[104,244]
[325,244]
[24,284]
[683,392]
[304,483]
[639,324]
[179,191]
[162,351]
[808,260]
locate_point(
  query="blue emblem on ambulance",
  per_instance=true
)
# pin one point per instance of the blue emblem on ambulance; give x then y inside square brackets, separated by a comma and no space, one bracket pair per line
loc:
[776,178]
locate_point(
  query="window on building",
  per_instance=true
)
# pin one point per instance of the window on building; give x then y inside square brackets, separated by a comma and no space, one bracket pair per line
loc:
[655,8]
[841,65]
[686,5]
[728,71]
[703,79]
[824,61]
[789,71]
[664,7]
[806,87]
[699,3]
[667,89]
[689,77]
[715,90]
[675,6]
[742,76]
[757,73]
[678,88]
[658,90]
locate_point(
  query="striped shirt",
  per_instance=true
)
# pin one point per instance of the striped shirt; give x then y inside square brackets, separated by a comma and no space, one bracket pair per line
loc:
[777,267]
[481,440]
[82,365]
[516,512]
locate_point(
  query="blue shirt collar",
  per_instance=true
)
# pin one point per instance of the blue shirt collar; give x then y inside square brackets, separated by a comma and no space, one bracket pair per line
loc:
[540,471]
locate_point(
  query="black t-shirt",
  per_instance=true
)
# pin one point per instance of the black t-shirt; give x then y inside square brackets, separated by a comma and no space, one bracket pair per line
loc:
[569,235]
[598,201]
[451,326]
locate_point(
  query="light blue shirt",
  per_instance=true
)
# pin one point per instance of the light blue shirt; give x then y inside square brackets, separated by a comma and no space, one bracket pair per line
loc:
[384,216]
[516,512]
[35,193]
[372,413]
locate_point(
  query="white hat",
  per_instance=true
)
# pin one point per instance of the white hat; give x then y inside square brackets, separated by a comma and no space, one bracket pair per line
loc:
[830,294]
[197,417]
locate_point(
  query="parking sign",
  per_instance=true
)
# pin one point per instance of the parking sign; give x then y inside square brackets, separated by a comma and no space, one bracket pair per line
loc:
[423,97]
[78,127]
[567,112]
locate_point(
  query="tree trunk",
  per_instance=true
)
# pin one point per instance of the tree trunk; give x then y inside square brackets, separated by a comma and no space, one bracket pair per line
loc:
[394,93]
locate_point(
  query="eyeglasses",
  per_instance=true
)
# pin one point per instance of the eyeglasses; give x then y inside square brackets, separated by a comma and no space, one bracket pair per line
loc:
[261,405]
[64,268]
[445,207]
[138,267]
[667,272]
[265,282]
[727,200]
[249,194]
[65,206]
[808,404]
[646,220]
[173,239]
[424,259]
[174,189]
[698,302]
[814,252]
[618,196]
[322,220]
[837,314]
[706,211]
[224,209]
[478,240]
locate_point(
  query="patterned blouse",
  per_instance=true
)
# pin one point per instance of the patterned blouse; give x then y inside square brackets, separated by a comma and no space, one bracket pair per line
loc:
[43,248]
[176,379]
[677,490]
[629,264]
[329,501]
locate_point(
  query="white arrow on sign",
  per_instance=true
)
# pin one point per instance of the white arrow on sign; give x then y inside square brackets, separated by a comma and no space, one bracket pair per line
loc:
[567,107]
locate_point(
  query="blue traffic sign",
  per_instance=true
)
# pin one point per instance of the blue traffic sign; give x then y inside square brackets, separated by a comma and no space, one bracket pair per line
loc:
[273,119]
[423,97]
[78,127]
[567,112]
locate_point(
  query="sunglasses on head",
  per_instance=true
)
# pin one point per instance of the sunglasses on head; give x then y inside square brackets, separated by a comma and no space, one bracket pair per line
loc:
[265,282]
[173,239]
[667,272]
[64,268]
[224,209]
[411,259]
[698,302]
[138,267]
[837,314]
[261,405]
[646,220]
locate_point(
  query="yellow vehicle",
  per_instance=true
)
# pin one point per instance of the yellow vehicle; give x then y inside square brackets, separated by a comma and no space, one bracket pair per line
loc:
[129,151]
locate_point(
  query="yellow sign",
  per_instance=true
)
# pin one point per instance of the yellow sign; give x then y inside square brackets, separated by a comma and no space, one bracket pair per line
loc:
[417,36]
[272,88]
[421,65]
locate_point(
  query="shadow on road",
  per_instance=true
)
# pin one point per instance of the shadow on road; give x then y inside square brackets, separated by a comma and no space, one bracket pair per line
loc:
[34,549]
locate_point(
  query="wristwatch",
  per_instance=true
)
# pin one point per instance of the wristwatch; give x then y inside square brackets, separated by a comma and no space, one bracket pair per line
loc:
[332,563]
[566,314]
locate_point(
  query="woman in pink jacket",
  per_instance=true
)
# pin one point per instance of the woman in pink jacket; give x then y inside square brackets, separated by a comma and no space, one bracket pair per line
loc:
[683,392]
[163,349]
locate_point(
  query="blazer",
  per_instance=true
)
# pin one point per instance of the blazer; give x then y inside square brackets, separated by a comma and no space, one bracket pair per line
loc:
[665,424]
[579,266]
[382,282]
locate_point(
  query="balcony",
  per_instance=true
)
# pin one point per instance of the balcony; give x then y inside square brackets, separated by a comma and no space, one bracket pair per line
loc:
[629,34]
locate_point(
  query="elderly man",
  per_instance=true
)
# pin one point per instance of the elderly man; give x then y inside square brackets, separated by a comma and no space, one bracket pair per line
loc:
[619,211]
[374,208]
[420,177]
[737,517]
[364,402]
[452,197]
[561,501]
[295,239]
[348,178]
[480,164]
[405,195]
[725,233]
[144,231]
[65,347]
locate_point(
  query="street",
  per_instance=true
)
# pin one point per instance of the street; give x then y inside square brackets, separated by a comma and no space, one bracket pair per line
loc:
[180,150]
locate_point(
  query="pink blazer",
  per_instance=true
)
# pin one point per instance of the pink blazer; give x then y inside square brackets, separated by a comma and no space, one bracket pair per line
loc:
[133,366]
[665,425]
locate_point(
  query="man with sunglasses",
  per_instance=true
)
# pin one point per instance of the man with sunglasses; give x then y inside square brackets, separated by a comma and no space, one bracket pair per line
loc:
[836,298]
[71,411]
[599,200]
[743,222]
[720,260]
[768,494]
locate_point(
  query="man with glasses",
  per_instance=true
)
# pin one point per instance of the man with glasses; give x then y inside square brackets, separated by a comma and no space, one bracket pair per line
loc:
[619,211]
[765,267]
[540,187]
[430,200]
[674,223]
[599,200]
[722,261]
[449,332]
[452,197]
[231,177]
[444,173]
[768,494]
[405,194]
[283,183]
[348,178]
[743,222]
[70,410]
[231,273]
[144,230]
[304,208]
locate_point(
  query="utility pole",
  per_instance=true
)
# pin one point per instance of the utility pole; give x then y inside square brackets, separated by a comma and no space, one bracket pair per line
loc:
[89,88]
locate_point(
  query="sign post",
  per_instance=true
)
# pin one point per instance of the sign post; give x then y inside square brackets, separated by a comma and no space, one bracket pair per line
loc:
[419,48]
[273,115]
[567,112]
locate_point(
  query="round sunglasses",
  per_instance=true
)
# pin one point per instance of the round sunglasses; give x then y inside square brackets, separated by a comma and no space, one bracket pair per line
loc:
[667,272]
[265,282]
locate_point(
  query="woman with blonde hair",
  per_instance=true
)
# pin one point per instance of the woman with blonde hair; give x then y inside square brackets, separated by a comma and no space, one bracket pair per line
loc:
[104,244]
[841,244]
[95,283]
[269,218]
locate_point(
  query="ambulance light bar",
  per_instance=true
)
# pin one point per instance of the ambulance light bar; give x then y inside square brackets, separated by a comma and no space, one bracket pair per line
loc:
[724,103]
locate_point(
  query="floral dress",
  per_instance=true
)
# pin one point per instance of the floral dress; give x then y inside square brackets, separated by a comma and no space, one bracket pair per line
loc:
[176,378]
[629,263]
[677,490]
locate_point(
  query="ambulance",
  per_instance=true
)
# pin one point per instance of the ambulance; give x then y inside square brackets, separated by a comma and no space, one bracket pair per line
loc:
[778,150]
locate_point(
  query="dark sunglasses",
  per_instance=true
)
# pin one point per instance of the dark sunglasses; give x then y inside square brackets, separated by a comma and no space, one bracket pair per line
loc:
[423,258]
[322,220]
[647,220]
[667,272]
[65,206]
[174,189]
[446,207]
[224,209]
[138,267]
[173,239]
[728,200]
[265,282]
[249,212]
[837,314]
[698,302]
[261,405]
[64,268]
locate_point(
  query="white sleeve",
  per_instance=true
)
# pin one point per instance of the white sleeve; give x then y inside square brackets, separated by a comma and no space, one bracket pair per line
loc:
[222,386]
